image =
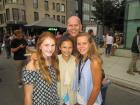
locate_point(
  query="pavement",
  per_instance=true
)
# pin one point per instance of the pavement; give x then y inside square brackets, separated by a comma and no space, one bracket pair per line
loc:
[115,69]
[10,94]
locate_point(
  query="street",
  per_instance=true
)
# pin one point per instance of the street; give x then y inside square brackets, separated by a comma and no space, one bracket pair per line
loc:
[117,95]
[10,94]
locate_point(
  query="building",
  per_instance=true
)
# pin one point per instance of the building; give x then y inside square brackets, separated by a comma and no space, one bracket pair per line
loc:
[83,9]
[88,16]
[16,13]
[132,20]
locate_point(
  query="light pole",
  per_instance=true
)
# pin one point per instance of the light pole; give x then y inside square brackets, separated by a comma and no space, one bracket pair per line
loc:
[80,9]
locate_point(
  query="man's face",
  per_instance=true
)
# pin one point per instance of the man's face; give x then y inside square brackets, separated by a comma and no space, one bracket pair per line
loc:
[74,27]
[19,36]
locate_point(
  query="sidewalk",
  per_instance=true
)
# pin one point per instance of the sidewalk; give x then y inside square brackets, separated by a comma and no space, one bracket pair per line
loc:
[10,94]
[115,68]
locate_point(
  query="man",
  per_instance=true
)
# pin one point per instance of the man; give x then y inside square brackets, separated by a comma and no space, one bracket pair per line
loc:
[18,47]
[7,42]
[74,26]
[135,49]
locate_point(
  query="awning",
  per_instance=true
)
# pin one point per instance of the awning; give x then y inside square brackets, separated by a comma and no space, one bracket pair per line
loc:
[47,22]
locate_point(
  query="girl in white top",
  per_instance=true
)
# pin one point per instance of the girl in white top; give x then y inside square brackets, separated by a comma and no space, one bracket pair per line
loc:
[67,69]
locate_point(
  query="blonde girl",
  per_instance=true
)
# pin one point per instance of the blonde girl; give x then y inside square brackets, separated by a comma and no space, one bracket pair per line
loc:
[88,76]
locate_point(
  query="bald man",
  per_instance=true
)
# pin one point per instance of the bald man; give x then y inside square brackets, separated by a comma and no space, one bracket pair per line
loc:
[74,26]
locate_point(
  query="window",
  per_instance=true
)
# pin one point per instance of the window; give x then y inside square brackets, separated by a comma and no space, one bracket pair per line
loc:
[4,17]
[12,1]
[54,17]
[1,7]
[1,19]
[7,14]
[58,7]
[15,12]
[47,15]
[46,5]
[53,6]
[22,2]
[63,19]
[58,18]
[36,16]
[15,1]
[86,7]
[23,15]
[86,17]
[62,8]
[35,4]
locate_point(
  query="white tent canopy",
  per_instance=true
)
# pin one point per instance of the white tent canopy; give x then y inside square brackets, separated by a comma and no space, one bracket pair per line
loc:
[47,22]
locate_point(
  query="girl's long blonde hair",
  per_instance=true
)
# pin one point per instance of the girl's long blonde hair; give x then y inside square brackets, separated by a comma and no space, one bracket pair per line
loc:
[41,61]
[93,51]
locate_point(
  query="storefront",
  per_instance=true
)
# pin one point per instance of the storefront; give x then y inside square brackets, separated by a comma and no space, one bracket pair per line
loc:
[132,21]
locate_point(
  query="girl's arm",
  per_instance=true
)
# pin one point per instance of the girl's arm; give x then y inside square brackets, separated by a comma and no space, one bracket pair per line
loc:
[28,89]
[96,77]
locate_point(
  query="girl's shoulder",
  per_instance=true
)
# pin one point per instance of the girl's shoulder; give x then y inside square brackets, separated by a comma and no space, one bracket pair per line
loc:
[96,59]
[31,66]
[73,57]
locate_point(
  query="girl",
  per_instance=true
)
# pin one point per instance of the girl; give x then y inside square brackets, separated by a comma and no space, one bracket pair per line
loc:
[87,81]
[40,76]
[67,68]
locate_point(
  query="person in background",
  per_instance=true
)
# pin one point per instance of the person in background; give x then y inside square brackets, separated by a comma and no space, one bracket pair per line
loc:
[7,42]
[40,76]
[1,42]
[88,76]
[108,43]
[67,69]
[90,32]
[18,48]
[135,49]
[105,83]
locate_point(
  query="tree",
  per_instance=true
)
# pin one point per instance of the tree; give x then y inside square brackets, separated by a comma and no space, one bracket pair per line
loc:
[110,13]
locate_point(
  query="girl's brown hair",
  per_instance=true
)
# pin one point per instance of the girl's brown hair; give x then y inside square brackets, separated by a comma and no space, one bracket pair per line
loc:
[41,61]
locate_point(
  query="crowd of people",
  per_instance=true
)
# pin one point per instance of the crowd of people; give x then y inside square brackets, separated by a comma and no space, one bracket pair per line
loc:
[109,41]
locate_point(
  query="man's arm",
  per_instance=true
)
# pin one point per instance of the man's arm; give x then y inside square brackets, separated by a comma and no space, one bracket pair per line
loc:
[17,48]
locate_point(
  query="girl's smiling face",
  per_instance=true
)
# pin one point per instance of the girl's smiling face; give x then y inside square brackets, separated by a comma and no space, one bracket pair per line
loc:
[66,48]
[83,45]
[48,47]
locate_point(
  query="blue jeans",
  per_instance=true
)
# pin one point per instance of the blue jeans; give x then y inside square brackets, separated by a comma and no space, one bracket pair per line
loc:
[103,92]
[108,49]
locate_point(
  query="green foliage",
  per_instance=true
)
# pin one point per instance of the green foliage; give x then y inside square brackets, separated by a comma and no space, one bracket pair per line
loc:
[110,13]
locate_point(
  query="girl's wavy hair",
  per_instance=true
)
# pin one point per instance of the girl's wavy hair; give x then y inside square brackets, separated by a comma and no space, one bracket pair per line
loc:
[92,52]
[41,61]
